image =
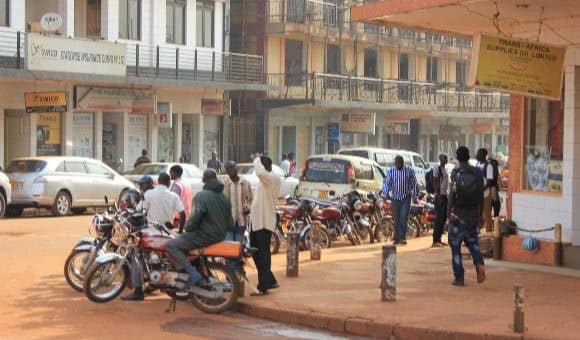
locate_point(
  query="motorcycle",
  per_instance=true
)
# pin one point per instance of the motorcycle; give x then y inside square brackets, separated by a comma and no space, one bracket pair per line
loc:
[289,218]
[360,214]
[335,223]
[422,216]
[87,249]
[145,243]
[381,219]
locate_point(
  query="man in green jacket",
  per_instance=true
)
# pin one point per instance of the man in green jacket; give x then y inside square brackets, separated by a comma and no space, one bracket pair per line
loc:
[211,217]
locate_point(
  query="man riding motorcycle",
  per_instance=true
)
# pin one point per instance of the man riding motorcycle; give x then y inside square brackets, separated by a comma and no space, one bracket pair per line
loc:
[211,217]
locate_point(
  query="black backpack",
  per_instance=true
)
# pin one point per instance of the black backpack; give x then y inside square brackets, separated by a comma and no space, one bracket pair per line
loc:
[468,187]
[429,185]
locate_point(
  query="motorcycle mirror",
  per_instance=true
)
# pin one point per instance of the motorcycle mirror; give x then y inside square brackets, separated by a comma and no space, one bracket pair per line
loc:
[106,201]
[332,193]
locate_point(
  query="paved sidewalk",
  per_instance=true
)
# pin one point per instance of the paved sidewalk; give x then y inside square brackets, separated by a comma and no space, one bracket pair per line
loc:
[341,293]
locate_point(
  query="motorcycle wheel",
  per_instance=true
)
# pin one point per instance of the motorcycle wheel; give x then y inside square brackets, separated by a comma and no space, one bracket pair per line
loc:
[413,227]
[384,230]
[275,243]
[365,235]
[325,242]
[73,268]
[100,272]
[219,272]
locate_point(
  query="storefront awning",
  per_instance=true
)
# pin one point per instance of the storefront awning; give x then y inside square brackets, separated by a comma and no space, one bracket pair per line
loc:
[521,18]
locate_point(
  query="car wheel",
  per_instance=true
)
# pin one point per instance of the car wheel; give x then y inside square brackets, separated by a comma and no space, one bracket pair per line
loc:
[2,205]
[12,211]
[62,203]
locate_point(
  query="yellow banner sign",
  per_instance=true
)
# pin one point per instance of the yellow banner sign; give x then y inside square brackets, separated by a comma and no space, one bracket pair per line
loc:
[363,122]
[37,102]
[517,66]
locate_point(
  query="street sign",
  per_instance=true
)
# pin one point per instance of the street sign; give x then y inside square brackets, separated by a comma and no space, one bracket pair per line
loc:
[334,132]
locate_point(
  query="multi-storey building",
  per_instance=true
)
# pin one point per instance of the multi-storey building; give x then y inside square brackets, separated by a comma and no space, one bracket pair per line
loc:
[387,87]
[124,75]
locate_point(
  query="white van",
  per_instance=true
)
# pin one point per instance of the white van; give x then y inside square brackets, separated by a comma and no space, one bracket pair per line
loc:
[386,159]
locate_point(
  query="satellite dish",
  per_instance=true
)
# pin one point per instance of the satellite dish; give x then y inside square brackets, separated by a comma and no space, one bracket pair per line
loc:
[51,22]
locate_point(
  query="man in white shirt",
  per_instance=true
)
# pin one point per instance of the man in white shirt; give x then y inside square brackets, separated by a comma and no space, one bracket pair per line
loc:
[285,165]
[263,222]
[488,178]
[161,205]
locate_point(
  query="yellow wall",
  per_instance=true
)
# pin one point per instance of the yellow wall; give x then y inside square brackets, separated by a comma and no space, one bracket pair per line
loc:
[316,57]
[303,146]
[348,59]
[273,142]
[275,55]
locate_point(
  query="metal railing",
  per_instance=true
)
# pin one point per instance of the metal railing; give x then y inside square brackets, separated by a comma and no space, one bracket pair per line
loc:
[169,62]
[330,87]
[329,14]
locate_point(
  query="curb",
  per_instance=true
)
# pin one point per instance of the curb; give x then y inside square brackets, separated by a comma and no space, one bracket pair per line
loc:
[365,327]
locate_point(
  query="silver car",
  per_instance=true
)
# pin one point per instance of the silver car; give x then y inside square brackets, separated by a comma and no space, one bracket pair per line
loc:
[192,175]
[5,190]
[62,184]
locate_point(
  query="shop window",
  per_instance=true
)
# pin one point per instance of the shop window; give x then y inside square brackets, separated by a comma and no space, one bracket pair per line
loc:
[543,147]
[205,23]
[175,22]
[293,62]
[5,13]
[130,19]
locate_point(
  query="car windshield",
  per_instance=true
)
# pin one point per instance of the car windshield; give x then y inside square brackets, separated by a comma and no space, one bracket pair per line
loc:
[246,169]
[327,170]
[358,153]
[25,166]
[149,169]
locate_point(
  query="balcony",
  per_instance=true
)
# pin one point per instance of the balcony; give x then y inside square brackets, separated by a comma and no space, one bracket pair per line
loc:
[163,63]
[402,94]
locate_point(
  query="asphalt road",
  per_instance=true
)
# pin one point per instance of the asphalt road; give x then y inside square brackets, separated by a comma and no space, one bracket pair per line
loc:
[36,302]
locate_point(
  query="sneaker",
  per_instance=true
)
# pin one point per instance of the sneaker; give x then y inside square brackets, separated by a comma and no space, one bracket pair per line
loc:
[403,242]
[480,269]
[458,283]
[135,296]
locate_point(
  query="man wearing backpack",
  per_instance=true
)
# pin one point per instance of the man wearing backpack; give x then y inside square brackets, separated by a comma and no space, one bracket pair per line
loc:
[464,213]
[440,188]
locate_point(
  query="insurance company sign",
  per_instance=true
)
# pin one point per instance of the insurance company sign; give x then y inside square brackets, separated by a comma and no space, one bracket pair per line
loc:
[363,122]
[45,53]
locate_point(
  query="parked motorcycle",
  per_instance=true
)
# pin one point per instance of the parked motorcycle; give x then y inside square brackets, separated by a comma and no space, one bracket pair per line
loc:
[145,243]
[87,249]
[289,218]
[361,213]
[381,219]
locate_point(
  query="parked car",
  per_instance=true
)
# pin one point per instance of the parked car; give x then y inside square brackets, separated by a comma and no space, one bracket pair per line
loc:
[288,184]
[62,184]
[5,190]
[192,175]
[386,159]
[341,174]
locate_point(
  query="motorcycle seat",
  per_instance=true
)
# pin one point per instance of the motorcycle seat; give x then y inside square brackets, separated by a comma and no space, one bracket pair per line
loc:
[220,249]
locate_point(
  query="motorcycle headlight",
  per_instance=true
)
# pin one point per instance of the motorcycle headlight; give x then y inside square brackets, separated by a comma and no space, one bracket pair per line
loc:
[357,205]
[120,234]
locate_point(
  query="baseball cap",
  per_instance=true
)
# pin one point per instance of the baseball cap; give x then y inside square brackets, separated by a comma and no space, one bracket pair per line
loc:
[145,180]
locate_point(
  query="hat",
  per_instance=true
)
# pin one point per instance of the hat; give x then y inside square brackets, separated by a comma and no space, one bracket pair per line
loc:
[145,180]
[230,165]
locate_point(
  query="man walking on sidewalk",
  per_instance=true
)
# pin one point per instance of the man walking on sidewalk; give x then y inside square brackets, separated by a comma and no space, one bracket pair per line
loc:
[441,186]
[464,213]
[400,185]
[263,222]
[487,172]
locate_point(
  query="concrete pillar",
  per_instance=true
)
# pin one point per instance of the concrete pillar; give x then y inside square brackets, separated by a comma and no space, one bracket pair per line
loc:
[2,138]
[18,15]
[32,135]
[66,8]
[219,25]
[127,162]
[152,137]
[158,30]
[197,141]
[109,19]
[98,146]
[178,128]
[67,138]
[190,23]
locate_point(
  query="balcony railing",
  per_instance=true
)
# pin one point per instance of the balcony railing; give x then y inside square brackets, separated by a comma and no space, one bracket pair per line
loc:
[329,87]
[331,15]
[181,63]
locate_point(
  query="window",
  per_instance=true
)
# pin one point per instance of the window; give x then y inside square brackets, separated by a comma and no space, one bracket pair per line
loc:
[25,166]
[205,23]
[293,62]
[192,171]
[461,73]
[175,22]
[333,64]
[403,66]
[419,162]
[75,167]
[363,171]
[543,145]
[5,13]
[130,19]
[371,63]
[97,169]
[432,65]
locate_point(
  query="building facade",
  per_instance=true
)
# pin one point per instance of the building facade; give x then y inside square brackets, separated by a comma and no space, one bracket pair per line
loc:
[133,75]
[323,69]
[544,141]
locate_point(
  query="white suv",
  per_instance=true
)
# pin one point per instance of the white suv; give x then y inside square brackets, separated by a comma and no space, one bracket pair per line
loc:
[5,192]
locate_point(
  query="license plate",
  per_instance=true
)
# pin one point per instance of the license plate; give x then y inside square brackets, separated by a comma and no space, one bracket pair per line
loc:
[323,194]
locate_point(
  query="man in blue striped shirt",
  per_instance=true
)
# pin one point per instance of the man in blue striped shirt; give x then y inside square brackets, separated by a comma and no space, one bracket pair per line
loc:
[400,185]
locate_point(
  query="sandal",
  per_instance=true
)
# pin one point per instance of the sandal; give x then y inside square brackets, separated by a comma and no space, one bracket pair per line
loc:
[259,293]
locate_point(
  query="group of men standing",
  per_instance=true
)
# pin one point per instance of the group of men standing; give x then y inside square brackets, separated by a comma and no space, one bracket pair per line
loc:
[222,210]
[464,198]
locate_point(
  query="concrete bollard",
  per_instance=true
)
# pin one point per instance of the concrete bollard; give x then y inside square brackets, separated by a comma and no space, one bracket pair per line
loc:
[519,324]
[497,240]
[292,255]
[559,249]
[389,273]
[315,239]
